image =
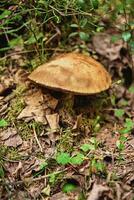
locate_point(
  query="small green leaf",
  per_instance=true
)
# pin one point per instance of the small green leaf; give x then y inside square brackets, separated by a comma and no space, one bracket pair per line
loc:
[113,99]
[126,36]
[93,140]
[87,147]
[63,158]
[3,123]
[124,131]
[131,89]
[131,44]
[16,42]
[77,159]
[120,145]
[123,138]
[115,38]
[84,36]
[52,178]
[5,14]
[43,165]
[1,172]
[73,34]
[81,3]
[83,22]
[123,102]
[32,39]
[69,187]
[46,190]
[119,113]
[74,25]
[129,123]
[100,166]
[94,3]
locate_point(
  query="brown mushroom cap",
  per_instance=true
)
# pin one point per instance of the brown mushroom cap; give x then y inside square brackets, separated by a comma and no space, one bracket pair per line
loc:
[73,72]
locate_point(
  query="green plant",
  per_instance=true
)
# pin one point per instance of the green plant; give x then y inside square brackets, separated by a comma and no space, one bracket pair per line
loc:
[93,145]
[119,113]
[63,158]
[43,166]
[69,187]
[131,89]
[97,166]
[128,126]
[3,123]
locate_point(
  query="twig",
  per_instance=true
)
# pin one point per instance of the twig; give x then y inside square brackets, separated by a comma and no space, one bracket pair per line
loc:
[32,179]
[58,33]
[36,138]
[27,51]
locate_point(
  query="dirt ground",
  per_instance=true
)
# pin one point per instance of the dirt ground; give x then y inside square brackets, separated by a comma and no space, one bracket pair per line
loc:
[36,124]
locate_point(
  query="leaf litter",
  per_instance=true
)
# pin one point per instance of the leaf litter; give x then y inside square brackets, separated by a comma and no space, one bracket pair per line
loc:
[32,171]
[10,138]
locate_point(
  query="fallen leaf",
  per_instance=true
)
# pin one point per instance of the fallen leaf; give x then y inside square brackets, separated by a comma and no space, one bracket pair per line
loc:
[97,192]
[35,189]
[62,196]
[103,45]
[50,101]
[18,168]
[2,89]
[46,190]
[77,123]
[35,108]
[53,121]
[10,137]
[131,143]
[20,77]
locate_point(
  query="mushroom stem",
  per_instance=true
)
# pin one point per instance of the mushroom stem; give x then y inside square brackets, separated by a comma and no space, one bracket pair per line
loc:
[69,103]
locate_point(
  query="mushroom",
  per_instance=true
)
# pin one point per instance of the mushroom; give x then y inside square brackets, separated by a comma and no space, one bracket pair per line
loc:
[73,73]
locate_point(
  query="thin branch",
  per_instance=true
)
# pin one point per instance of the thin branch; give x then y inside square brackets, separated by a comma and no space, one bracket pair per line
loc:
[36,138]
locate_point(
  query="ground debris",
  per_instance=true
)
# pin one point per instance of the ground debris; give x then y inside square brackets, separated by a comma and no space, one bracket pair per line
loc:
[10,137]
[34,108]
[97,192]
[63,196]
[103,45]
[53,121]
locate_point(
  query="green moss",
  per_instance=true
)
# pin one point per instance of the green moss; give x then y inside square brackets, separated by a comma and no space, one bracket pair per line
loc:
[17,104]
[12,153]
[25,130]
[15,108]
[9,153]
[3,150]
[86,121]
[66,141]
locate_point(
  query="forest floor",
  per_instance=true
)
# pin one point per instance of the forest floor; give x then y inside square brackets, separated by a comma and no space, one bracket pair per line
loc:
[50,150]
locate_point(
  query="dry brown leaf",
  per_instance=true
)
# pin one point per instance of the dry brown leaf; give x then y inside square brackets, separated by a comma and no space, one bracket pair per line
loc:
[35,108]
[2,88]
[35,189]
[103,45]
[28,167]
[18,168]
[10,138]
[20,77]
[97,192]
[77,123]
[26,148]
[50,101]
[60,196]
[53,121]
[63,196]
[131,143]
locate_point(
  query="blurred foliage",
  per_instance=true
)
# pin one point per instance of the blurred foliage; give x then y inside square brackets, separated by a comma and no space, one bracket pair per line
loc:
[39,25]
